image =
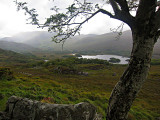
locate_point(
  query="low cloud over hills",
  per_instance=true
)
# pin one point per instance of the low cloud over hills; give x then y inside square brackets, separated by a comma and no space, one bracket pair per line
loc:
[105,43]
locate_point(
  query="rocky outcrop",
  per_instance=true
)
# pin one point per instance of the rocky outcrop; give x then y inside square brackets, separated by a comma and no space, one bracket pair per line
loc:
[26,109]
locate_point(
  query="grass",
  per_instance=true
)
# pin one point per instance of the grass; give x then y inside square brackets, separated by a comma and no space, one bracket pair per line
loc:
[39,83]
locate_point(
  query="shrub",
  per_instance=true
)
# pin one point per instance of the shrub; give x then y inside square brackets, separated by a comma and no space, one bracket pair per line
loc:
[70,62]
[6,74]
[65,70]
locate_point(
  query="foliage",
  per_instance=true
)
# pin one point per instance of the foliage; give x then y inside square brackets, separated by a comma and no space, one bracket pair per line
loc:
[68,65]
[6,74]
[70,62]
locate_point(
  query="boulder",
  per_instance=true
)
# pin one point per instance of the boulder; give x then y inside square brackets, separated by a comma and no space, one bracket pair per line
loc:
[26,109]
[158,118]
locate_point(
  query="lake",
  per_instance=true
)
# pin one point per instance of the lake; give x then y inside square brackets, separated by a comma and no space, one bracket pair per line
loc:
[107,57]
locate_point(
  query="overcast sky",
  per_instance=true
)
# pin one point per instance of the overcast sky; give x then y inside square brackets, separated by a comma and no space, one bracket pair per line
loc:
[13,22]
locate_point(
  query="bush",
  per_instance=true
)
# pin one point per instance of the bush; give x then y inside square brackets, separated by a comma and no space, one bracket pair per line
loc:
[6,74]
[65,70]
[70,62]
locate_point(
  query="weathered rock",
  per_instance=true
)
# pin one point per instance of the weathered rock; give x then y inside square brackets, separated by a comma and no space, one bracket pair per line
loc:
[65,70]
[2,115]
[158,118]
[83,73]
[26,109]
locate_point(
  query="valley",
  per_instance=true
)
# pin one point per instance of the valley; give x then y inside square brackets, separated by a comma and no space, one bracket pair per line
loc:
[58,81]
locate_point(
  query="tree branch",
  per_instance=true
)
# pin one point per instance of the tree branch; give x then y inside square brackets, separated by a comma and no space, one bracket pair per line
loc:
[74,31]
[123,4]
[114,6]
[123,14]
[100,10]
[106,12]
[66,25]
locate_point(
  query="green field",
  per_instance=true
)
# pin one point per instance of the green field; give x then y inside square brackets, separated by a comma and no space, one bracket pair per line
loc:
[40,81]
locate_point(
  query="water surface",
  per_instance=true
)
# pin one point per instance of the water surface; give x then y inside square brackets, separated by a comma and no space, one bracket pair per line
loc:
[107,57]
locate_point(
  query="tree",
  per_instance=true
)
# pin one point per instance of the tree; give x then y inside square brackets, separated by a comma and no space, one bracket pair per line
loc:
[145,27]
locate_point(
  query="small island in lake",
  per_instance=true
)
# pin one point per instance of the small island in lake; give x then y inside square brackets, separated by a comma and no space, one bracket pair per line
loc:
[114,60]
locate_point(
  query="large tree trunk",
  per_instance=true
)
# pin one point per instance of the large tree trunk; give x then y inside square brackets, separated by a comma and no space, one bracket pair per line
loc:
[133,78]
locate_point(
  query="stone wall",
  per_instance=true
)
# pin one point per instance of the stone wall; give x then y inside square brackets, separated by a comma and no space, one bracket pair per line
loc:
[25,109]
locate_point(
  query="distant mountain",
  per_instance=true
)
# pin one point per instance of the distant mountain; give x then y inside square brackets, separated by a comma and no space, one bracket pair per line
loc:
[98,44]
[17,47]
[41,40]
[107,43]
[27,36]
[104,43]
[36,39]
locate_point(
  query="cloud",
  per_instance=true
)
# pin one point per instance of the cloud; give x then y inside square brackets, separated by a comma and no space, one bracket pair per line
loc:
[13,22]
[2,25]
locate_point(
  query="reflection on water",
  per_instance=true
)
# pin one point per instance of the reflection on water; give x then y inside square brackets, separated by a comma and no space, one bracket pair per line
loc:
[107,57]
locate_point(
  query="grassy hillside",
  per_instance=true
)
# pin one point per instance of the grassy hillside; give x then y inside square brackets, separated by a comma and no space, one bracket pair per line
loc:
[17,47]
[8,57]
[42,82]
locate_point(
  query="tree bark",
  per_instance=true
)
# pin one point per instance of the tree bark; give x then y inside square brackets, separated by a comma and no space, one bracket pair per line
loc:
[133,78]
